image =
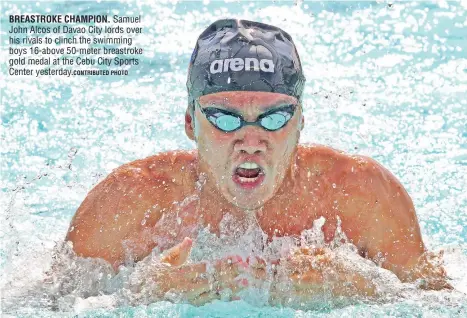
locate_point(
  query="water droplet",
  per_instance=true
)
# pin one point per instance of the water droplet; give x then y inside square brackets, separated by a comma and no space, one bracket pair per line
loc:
[143,221]
[179,221]
[334,185]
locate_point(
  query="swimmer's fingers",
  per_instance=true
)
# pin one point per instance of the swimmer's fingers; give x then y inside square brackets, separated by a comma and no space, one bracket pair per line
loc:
[228,275]
[337,282]
[307,280]
[204,298]
[230,266]
[312,251]
[188,282]
[225,284]
[182,278]
[256,262]
[178,254]
[186,291]
[299,264]
[259,273]
[199,287]
[306,271]
[305,263]
[191,271]
[189,277]
[196,288]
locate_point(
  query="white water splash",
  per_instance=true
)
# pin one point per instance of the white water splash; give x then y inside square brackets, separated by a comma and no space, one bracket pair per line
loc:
[75,284]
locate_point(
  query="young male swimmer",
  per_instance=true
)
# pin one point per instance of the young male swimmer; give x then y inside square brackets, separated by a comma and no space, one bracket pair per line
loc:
[245,85]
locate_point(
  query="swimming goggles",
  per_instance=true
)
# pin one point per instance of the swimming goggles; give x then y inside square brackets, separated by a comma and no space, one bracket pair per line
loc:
[228,121]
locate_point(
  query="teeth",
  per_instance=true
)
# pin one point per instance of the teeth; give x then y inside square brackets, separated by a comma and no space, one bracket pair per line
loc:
[249,165]
[247,179]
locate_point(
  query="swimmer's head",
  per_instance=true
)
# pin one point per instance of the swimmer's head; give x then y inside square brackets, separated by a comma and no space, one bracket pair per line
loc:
[245,85]
[242,55]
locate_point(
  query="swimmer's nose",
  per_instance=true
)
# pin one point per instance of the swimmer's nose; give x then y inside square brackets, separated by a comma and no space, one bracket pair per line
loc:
[251,140]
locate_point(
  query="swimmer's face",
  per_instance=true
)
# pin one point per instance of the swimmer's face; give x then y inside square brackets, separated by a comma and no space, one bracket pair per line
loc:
[247,165]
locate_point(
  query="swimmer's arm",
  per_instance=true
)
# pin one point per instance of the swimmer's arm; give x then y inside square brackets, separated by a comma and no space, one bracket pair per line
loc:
[314,272]
[389,230]
[108,223]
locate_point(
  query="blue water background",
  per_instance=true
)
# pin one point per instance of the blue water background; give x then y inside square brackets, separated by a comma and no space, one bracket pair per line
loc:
[385,81]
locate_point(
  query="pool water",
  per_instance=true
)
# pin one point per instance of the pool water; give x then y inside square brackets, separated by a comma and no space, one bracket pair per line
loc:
[384,79]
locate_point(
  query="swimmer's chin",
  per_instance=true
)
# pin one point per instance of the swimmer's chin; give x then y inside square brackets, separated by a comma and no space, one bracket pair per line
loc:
[247,205]
[245,201]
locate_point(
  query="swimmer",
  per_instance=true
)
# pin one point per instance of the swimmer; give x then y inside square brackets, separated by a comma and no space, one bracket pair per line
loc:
[245,86]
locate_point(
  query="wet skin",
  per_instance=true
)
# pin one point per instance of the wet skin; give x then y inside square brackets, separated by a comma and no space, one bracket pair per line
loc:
[134,209]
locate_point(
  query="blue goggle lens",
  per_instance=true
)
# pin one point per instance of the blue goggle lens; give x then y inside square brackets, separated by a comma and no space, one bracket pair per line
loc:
[275,121]
[228,121]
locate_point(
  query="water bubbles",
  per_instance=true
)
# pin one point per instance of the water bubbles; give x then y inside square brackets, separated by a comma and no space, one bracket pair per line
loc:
[333,185]
[72,152]
[298,3]
[397,124]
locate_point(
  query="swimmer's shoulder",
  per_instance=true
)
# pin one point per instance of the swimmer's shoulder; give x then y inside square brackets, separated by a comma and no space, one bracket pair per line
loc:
[161,178]
[171,167]
[131,198]
[354,176]
[323,159]
[168,170]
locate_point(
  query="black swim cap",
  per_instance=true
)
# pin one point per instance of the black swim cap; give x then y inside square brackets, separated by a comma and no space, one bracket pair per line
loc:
[242,55]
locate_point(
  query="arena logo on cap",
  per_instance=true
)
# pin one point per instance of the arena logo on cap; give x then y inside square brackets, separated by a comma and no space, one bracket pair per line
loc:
[238,64]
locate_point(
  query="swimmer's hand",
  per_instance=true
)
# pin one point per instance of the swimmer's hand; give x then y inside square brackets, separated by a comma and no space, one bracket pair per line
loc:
[198,283]
[309,272]
[427,272]
[178,254]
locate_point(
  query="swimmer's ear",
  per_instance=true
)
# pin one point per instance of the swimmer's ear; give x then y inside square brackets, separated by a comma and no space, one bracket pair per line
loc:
[302,118]
[189,124]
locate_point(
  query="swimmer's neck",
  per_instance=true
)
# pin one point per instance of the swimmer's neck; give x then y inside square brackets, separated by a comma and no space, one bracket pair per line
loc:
[218,206]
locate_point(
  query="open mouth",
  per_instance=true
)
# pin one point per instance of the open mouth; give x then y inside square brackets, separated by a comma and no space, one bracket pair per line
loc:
[248,175]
